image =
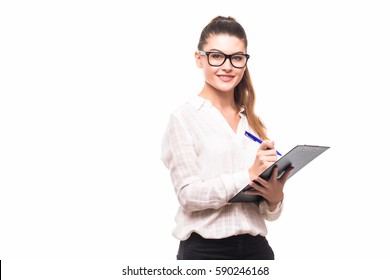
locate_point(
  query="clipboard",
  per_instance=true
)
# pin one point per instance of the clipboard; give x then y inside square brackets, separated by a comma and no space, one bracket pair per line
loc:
[298,157]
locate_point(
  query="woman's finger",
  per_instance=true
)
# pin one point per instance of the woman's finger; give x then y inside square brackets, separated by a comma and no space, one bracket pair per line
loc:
[285,175]
[274,175]
[256,186]
[253,193]
[263,183]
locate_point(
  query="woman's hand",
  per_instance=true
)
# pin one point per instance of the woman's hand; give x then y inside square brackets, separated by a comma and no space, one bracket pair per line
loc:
[271,190]
[265,157]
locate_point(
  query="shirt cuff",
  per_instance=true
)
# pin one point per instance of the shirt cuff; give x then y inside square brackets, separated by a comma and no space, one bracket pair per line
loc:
[268,215]
[276,210]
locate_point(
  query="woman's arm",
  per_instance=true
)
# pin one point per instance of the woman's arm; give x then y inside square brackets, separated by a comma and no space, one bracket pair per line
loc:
[180,157]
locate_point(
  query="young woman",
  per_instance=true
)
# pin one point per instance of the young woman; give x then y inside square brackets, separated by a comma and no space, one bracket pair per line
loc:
[210,159]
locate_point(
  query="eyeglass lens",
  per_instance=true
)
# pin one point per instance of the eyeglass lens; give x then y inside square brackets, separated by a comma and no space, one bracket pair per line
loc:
[217,59]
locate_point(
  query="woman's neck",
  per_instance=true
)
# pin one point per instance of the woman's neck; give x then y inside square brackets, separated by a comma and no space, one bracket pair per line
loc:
[221,100]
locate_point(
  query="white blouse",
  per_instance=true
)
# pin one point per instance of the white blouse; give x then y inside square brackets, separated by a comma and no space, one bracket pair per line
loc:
[208,164]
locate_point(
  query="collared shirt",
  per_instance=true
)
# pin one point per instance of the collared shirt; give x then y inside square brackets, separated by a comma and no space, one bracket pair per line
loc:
[208,164]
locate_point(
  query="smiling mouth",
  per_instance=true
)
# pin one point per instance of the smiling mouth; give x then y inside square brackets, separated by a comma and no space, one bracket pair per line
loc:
[225,78]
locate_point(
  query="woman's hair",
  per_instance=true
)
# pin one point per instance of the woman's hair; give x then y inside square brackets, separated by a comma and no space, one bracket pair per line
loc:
[244,94]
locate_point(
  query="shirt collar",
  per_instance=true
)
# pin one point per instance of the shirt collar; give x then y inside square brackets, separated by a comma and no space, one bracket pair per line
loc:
[199,102]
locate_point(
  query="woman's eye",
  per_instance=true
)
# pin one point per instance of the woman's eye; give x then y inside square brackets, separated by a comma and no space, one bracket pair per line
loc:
[217,56]
[237,57]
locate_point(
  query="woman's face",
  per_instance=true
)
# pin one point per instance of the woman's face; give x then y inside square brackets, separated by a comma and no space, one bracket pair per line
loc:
[223,78]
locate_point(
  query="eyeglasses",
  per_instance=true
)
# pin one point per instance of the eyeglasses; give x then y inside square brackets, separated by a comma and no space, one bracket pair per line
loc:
[216,59]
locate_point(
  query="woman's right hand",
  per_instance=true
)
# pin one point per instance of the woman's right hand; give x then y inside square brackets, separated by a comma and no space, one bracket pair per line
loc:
[266,155]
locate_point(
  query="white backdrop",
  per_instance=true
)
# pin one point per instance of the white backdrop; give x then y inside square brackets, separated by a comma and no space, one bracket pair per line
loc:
[86,90]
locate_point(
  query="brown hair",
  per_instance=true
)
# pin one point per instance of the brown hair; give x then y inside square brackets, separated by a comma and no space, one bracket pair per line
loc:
[244,94]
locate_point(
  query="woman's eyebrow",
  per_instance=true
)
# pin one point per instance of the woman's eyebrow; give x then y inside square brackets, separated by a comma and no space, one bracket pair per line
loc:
[216,50]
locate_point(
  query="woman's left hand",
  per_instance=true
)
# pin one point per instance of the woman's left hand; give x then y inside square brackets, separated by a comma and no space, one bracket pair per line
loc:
[271,190]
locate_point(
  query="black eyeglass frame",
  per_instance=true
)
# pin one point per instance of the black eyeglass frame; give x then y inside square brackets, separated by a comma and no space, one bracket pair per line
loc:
[227,56]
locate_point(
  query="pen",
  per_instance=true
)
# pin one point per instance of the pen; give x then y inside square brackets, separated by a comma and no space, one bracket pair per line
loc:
[254,138]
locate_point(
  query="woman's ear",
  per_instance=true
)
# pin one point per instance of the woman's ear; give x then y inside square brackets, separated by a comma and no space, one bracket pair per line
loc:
[198,60]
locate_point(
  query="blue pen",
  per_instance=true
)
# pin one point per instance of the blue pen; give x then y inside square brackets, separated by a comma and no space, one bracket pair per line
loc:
[254,138]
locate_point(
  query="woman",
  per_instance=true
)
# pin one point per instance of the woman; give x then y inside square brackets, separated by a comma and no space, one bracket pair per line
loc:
[210,159]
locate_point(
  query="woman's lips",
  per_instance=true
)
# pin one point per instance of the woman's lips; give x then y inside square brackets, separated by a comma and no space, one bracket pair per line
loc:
[225,78]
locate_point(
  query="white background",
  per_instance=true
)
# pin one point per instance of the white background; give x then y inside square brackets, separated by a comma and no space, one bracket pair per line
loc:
[86,90]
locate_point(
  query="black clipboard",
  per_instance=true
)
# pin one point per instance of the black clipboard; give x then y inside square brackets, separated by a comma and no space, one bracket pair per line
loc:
[298,157]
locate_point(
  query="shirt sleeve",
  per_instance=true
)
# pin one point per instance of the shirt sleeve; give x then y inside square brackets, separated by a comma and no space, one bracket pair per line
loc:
[268,215]
[194,194]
